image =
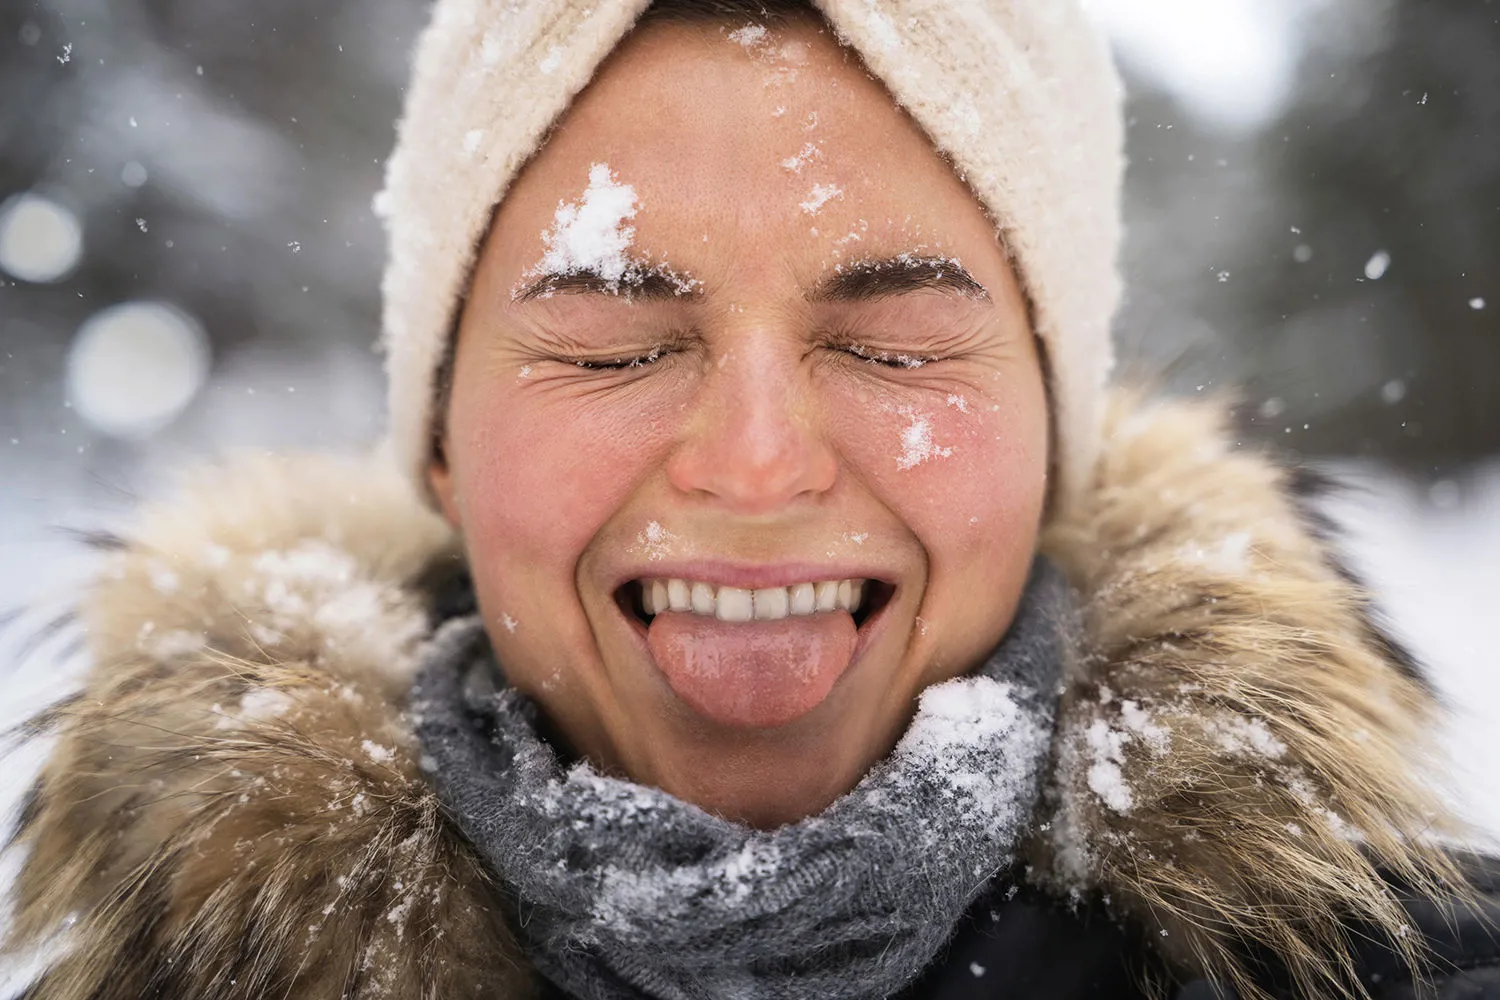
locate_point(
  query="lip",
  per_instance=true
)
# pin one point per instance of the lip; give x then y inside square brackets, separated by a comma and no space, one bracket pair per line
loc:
[751,576]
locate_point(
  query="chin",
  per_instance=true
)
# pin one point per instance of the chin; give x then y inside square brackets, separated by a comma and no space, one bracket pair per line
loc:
[765,779]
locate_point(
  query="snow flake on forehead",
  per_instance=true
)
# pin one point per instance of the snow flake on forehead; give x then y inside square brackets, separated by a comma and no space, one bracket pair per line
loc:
[592,238]
[855,235]
[751,36]
[806,155]
[592,235]
[780,57]
[820,195]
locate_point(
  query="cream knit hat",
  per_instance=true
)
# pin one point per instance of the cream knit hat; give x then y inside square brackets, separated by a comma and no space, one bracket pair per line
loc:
[1020,95]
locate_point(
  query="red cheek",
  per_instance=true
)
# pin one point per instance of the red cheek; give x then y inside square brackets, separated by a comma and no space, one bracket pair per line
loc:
[539,473]
[951,467]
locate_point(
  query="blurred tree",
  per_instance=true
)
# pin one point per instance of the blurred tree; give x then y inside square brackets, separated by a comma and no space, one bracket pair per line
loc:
[1378,320]
[222,154]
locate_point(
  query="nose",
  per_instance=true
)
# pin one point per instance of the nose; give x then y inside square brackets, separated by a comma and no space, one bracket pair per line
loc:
[754,442]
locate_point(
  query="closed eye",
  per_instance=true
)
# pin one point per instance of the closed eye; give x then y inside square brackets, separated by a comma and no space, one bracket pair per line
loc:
[890,359]
[621,363]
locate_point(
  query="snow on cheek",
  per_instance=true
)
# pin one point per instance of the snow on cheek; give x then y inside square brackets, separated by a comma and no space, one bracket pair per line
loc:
[917,444]
[591,236]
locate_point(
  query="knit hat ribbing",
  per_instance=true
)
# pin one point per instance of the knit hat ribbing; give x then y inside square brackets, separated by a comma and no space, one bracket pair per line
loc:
[1022,98]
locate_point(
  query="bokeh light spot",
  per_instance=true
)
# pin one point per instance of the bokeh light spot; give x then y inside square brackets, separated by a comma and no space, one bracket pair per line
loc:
[134,367]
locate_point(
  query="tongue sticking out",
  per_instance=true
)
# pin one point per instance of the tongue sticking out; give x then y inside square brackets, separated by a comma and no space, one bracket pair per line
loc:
[752,674]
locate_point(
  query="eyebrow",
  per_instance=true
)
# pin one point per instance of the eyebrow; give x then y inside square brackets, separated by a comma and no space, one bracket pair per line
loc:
[867,280]
[861,281]
[650,283]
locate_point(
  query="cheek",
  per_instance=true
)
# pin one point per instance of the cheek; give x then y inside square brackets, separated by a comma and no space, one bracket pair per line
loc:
[966,474]
[964,471]
[538,471]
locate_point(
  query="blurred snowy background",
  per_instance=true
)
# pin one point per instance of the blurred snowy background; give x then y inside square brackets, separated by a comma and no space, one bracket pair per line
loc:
[188,261]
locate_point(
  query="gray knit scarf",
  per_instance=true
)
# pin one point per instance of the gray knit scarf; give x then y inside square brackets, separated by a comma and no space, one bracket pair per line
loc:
[626,892]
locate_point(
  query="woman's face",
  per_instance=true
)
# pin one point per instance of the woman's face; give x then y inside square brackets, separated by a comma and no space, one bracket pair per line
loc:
[738,334]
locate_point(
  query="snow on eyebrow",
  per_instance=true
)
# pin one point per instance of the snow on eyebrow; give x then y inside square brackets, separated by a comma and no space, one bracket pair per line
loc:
[591,236]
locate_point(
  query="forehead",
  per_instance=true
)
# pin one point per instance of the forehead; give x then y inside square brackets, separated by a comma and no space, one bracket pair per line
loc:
[748,137]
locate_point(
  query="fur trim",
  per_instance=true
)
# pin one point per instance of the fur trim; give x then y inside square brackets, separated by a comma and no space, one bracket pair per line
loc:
[1243,748]
[235,807]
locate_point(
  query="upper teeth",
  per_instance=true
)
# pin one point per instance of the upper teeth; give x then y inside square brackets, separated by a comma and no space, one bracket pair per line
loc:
[735,604]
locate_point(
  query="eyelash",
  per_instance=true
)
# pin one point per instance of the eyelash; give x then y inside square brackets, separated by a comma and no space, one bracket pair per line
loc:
[887,359]
[621,364]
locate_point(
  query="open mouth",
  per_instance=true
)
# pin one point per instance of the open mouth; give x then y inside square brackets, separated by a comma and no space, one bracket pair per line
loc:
[642,600]
[754,658]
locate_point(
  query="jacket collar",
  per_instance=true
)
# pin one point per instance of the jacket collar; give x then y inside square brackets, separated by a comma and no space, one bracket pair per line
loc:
[236,804]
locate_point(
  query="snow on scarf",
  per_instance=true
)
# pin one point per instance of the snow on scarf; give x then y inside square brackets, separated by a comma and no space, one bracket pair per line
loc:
[625,891]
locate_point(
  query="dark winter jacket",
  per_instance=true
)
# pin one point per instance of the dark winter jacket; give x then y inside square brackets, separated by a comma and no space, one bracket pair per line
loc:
[235,807]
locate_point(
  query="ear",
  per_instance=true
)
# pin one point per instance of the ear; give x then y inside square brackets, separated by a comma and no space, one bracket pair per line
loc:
[440,483]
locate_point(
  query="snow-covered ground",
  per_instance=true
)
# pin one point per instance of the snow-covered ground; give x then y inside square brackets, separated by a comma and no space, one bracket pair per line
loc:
[1433,554]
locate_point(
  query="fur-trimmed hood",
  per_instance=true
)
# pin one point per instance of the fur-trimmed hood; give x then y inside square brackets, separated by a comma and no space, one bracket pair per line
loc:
[235,806]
